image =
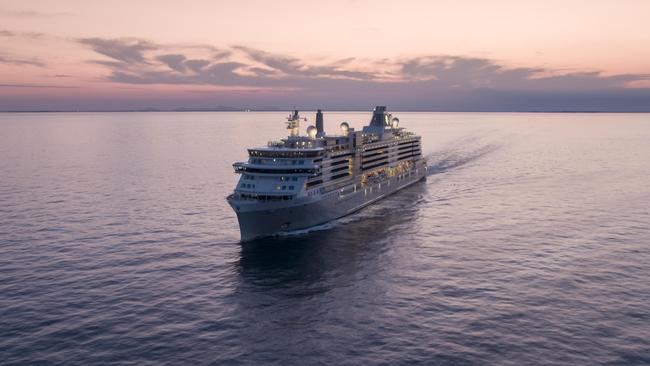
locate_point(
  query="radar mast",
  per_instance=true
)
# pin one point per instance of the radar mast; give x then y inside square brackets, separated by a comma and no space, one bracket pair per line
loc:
[293,123]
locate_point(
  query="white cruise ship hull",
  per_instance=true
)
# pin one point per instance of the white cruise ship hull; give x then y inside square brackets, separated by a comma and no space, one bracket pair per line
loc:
[257,219]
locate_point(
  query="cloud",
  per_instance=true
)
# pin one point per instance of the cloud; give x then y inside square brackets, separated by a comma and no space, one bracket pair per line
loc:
[30,14]
[142,62]
[291,66]
[137,61]
[29,85]
[445,82]
[479,73]
[12,34]
[455,71]
[175,62]
[197,65]
[125,50]
[13,60]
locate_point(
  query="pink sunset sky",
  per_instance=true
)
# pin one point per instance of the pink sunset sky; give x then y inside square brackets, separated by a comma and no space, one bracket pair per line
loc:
[417,55]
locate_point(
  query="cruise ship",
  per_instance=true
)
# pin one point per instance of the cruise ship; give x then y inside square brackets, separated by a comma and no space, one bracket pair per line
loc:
[304,181]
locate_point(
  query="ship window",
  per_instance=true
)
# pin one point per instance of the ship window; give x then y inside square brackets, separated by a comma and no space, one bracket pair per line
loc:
[291,188]
[284,188]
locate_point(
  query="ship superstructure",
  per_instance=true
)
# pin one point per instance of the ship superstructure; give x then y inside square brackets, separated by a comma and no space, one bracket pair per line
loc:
[306,180]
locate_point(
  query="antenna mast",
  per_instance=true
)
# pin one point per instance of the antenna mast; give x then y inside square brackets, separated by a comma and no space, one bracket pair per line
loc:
[293,123]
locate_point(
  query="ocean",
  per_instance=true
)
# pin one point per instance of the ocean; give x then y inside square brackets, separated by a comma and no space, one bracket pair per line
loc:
[528,244]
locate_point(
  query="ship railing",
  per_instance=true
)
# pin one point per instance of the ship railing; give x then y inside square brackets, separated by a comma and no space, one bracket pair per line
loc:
[405,134]
[342,151]
[370,138]
[275,143]
[277,169]
[260,197]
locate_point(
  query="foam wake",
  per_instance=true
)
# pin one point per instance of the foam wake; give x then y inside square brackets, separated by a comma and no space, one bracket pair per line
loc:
[458,154]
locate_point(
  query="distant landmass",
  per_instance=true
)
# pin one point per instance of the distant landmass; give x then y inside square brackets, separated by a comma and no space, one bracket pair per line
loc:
[277,109]
[180,109]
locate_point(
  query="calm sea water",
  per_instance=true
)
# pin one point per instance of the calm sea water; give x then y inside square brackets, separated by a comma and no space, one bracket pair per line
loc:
[529,244]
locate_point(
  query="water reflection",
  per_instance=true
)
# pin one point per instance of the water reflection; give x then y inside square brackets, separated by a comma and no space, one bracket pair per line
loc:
[295,285]
[536,251]
[332,256]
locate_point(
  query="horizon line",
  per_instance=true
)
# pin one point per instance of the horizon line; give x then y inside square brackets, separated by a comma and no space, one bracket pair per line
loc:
[249,110]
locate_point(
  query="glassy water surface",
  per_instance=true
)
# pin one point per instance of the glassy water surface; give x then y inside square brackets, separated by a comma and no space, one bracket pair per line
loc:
[529,243]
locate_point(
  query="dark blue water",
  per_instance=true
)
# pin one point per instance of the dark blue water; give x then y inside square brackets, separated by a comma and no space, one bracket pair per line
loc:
[529,244]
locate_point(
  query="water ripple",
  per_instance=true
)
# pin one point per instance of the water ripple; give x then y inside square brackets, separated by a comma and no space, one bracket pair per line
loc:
[527,245]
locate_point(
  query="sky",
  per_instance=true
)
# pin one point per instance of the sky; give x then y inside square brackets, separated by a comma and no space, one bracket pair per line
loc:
[498,55]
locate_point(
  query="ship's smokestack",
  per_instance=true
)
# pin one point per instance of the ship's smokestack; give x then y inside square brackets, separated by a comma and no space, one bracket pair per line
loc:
[320,130]
[379,118]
